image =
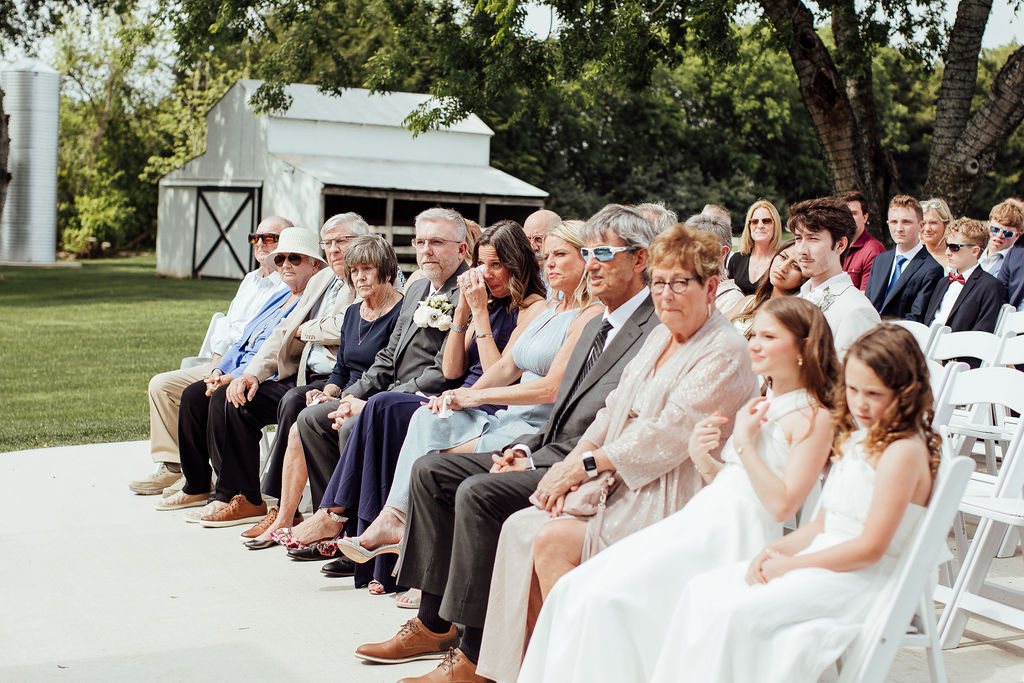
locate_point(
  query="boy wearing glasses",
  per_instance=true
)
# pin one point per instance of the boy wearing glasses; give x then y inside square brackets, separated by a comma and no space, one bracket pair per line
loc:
[1005,223]
[968,298]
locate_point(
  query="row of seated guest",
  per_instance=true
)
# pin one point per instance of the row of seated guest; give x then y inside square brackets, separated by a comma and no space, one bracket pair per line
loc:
[456,507]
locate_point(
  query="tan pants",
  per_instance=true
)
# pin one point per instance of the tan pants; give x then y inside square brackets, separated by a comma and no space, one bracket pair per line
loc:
[164,398]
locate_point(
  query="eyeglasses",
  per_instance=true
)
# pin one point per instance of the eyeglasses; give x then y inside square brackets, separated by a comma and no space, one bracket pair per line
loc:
[536,240]
[603,253]
[264,237]
[957,247]
[766,221]
[677,285]
[433,243]
[294,259]
[340,241]
[997,229]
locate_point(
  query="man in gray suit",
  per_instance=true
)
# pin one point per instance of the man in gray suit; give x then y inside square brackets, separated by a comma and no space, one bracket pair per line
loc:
[458,502]
[410,362]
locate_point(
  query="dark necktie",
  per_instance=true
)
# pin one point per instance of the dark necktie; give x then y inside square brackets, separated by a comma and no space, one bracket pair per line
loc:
[595,352]
[956,277]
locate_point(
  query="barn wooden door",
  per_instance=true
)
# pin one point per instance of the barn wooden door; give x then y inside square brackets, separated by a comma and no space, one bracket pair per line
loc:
[224,218]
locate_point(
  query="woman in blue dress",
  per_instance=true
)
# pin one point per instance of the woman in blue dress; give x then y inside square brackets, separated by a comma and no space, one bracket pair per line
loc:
[537,359]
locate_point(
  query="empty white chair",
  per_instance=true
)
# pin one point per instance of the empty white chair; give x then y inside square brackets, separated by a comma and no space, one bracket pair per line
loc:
[922,333]
[970,343]
[906,598]
[1009,320]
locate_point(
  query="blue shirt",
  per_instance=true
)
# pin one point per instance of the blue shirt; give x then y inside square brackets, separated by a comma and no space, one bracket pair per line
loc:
[256,332]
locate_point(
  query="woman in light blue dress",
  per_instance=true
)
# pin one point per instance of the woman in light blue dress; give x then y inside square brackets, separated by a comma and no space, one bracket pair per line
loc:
[537,358]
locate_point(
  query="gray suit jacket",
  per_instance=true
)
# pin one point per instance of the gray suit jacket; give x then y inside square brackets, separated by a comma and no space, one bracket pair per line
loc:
[571,415]
[411,361]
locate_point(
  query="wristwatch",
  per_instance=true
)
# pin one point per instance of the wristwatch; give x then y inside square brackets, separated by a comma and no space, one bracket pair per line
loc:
[590,464]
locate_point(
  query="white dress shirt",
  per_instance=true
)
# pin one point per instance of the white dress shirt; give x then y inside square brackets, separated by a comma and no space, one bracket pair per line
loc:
[950,297]
[620,315]
[992,263]
[909,255]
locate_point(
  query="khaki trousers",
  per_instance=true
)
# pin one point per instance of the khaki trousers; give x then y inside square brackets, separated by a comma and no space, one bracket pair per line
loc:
[164,398]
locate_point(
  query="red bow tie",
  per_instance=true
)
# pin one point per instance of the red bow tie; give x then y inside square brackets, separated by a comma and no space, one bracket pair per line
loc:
[956,277]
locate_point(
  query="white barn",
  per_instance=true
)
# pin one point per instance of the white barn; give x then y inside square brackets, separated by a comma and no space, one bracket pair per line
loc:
[323,156]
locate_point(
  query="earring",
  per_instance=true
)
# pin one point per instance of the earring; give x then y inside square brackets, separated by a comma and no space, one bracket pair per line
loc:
[800,361]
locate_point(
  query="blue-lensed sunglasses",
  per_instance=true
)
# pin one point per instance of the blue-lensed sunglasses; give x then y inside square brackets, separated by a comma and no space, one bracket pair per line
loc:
[603,253]
[1007,234]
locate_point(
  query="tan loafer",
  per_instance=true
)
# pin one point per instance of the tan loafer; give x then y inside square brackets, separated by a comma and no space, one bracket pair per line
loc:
[413,641]
[238,511]
[267,520]
[454,669]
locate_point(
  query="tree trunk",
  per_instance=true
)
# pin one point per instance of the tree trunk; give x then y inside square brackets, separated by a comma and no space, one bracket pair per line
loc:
[964,146]
[849,157]
[5,143]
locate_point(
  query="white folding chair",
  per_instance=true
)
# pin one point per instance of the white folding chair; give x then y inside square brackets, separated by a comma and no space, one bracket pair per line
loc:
[922,333]
[906,598]
[206,350]
[983,418]
[970,343]
[1009,320]
[1002,509]
[943,380]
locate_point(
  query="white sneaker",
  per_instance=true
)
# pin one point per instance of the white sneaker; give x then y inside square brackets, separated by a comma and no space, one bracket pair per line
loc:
[179,500]
[195,514]
[175,487]
[154,483]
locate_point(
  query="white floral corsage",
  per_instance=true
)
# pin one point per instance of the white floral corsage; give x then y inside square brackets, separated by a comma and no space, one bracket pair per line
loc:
[823,298]
[434,311]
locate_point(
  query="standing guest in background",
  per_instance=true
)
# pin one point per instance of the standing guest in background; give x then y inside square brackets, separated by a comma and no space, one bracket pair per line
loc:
[861,253]
[728,295]
[762,232]
[902,279]
[1005,223]
[969,298]
[784,279]
[257,288]
[823,228]
[657,215]
[537,226]
[937,218]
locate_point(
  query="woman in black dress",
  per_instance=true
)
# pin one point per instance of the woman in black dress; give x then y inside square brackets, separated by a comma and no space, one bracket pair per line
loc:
[762,232]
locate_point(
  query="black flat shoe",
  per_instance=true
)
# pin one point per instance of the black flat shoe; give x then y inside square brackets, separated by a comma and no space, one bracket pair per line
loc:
[308,554]
[259,545]
[339,567]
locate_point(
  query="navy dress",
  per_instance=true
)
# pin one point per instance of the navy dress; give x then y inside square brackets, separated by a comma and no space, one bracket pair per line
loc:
[362,480]
[358,344]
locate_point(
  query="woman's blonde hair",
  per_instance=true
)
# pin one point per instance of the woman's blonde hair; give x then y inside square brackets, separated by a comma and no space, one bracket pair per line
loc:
[569,231]
[746,241]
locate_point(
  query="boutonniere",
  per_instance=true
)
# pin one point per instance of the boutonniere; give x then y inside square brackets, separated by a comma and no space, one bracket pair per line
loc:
[824,298]
[434,311]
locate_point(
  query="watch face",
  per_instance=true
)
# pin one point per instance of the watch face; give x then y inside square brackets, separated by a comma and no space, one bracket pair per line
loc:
[589,464]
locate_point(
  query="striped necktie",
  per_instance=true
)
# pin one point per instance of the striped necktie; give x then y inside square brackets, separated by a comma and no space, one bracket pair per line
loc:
[596,349]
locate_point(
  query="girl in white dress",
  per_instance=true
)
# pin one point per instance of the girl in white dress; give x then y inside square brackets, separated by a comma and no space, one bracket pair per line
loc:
[790,613]
[776,453]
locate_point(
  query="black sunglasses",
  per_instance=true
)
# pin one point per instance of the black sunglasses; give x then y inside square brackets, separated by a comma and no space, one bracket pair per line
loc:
[957,247]
[294,259]
[265,237]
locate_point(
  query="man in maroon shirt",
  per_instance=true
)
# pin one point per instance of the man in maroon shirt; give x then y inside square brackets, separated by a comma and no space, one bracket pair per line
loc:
[862,251]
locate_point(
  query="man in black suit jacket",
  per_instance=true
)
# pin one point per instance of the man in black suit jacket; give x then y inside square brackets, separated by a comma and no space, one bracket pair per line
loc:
[902,279]
[458,502]
[410,362]
[970,298]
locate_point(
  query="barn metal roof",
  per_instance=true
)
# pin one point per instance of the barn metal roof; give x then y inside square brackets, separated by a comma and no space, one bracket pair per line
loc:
[415,176]
[358,106]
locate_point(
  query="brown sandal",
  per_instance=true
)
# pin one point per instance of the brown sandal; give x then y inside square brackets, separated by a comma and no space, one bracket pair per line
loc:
[376,588]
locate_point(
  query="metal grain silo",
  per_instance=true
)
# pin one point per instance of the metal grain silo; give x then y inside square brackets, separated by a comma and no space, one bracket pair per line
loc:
[28,232]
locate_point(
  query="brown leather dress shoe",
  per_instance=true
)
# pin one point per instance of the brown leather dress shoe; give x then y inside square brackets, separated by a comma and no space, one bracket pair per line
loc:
[454,669]
[413,641]
[238,511]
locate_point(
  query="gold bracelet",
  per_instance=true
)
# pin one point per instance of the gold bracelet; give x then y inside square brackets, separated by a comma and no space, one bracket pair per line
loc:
[485,334]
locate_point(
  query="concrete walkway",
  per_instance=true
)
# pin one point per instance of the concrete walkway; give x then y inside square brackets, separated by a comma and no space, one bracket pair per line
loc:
[97,586]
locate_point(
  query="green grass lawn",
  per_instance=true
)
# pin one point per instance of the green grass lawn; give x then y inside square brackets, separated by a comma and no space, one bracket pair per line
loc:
[80,344]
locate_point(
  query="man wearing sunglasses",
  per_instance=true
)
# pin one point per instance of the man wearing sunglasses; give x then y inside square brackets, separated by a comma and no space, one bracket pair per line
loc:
[903,279]
[1011,273]
[257,288]
[458,502]
[1005,223]
[968,298]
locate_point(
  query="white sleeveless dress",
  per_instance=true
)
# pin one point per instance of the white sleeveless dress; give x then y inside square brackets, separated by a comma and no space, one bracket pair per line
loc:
[796,626]
[623,598]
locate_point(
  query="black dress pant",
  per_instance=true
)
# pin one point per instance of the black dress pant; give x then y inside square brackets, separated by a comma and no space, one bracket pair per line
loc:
[196,449]
[288,409]
[456,509]
[237,433]
[321,445]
